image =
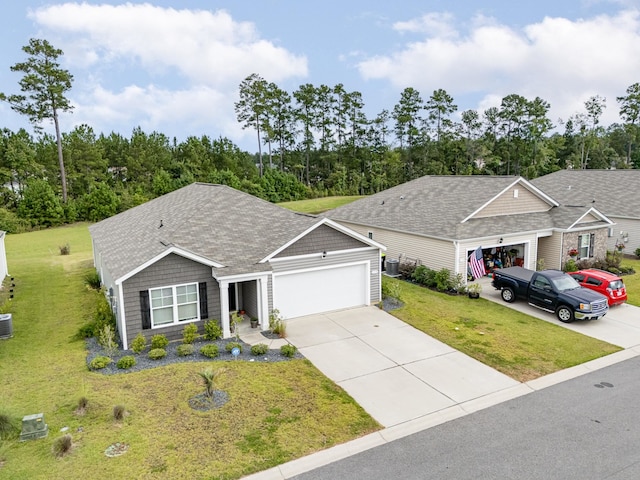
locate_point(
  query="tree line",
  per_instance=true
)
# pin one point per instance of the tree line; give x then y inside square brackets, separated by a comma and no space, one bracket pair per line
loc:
[315,141]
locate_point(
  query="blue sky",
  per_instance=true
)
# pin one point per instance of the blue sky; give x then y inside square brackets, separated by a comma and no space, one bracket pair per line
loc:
[175,66]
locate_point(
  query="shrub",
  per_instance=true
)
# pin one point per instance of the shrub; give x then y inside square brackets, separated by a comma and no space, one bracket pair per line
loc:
[288,350]
[99,362]
[443,280]
[406,269]
[212,331]
[83,403]
[276,323]
[157,353]
[139,343]
[391,289]
[259,349]
[8,427]
[231,345]
[159,341]
[107,338]
[185,350]
[65,249]
[85,331]
[210,379]
[62,445]
[570,266]
[119,412]
[190,333]
[637,252]
[209,351]
[125,362]
[103,315]
[92,280]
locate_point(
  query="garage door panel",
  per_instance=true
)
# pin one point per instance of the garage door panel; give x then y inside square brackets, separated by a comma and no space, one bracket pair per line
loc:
[308,292]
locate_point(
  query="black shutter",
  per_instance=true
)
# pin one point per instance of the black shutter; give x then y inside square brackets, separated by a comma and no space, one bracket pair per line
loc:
[592,241]
[145,312]
[204,305]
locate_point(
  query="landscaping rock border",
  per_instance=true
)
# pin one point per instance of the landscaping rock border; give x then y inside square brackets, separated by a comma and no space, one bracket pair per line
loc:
[143,362]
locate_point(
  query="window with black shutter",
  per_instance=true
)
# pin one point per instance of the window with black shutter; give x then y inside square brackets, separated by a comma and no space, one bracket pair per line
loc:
[145,312]
[204,305]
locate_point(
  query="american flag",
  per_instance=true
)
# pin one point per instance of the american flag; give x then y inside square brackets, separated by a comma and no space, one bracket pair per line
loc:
[476,261]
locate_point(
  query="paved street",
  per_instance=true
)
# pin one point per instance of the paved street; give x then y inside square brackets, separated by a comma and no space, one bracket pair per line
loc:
[586,428]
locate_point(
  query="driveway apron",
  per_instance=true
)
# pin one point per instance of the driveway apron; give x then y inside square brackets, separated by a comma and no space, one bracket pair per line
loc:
[394,371]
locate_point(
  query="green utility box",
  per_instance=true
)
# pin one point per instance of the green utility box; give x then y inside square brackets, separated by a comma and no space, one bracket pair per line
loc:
[33,427]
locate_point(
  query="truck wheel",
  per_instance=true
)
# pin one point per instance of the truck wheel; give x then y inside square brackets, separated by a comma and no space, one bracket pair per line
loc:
[565,314]
[508,295]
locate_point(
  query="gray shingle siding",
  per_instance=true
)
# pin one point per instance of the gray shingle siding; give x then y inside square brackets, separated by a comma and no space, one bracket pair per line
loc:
[171,270]
[323,238]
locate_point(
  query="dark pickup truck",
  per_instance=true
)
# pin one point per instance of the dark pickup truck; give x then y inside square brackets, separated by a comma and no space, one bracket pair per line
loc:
[551,290]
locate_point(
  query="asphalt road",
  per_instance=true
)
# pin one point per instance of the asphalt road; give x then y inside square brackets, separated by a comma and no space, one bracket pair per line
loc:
[587,428]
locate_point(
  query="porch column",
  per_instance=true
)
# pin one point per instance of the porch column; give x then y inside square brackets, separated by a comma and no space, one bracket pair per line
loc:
[224,309]
[263,302]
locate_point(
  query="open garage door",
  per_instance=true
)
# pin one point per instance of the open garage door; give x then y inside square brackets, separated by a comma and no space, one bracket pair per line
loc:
[307,292]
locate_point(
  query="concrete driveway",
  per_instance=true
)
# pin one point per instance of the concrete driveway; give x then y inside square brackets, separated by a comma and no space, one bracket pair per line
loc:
[395,372]
[620,326]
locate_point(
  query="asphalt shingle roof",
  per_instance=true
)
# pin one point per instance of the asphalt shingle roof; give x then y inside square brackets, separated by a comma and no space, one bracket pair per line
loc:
[216,222]
[435,206]
[432,205]
[616,192]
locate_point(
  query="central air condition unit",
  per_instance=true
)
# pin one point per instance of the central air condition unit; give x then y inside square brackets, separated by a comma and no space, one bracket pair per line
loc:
[33,427]
[6,325]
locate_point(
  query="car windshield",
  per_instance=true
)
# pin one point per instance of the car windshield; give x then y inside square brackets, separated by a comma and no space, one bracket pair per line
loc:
[564,283]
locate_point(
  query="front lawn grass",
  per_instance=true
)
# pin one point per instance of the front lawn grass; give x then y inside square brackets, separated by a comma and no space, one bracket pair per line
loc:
[513,343]
[315,206]
[632,282]
[276,412]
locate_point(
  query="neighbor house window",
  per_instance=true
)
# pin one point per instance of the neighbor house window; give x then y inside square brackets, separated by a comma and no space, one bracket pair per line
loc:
[172,305]
[585,245]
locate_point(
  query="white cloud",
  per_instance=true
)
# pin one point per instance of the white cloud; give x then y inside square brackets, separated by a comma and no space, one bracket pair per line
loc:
[175,71]
[560,60]
[205,47]
[431,24]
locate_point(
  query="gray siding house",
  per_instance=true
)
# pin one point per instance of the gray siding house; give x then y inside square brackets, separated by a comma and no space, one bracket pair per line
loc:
[438,221]
[205,250]
[615,193]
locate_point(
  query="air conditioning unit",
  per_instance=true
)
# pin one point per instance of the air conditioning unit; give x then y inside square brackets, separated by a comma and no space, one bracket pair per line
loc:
[33,427]
[6,325]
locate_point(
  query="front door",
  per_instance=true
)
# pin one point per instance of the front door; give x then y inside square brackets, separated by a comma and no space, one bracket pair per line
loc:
[233,303]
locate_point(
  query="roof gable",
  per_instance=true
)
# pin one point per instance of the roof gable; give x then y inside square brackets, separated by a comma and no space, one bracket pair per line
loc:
[325,236]
[518,198]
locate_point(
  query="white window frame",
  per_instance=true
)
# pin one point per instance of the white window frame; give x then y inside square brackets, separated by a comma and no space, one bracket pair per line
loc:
[175,305]
[581,246]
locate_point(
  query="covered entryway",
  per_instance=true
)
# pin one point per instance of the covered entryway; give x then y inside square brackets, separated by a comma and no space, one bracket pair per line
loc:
[305,292]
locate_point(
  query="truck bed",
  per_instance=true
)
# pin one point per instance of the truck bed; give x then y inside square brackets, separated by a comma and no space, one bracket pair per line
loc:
[519,273]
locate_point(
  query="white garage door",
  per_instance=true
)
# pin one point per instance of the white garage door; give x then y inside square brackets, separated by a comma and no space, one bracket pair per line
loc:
[314,291]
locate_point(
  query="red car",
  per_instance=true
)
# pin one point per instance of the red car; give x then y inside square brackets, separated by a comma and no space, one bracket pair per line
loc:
[606,283]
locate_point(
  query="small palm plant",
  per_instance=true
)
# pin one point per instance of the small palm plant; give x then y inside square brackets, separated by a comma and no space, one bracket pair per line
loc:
[210,379]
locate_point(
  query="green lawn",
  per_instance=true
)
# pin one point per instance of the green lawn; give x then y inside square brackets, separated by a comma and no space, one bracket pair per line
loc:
[277,412]
[318,205]
[516,344]
[632,282]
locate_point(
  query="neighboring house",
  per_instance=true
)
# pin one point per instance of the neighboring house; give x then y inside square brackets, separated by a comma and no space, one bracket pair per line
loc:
[205,250]
[438,221]
[616,193]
